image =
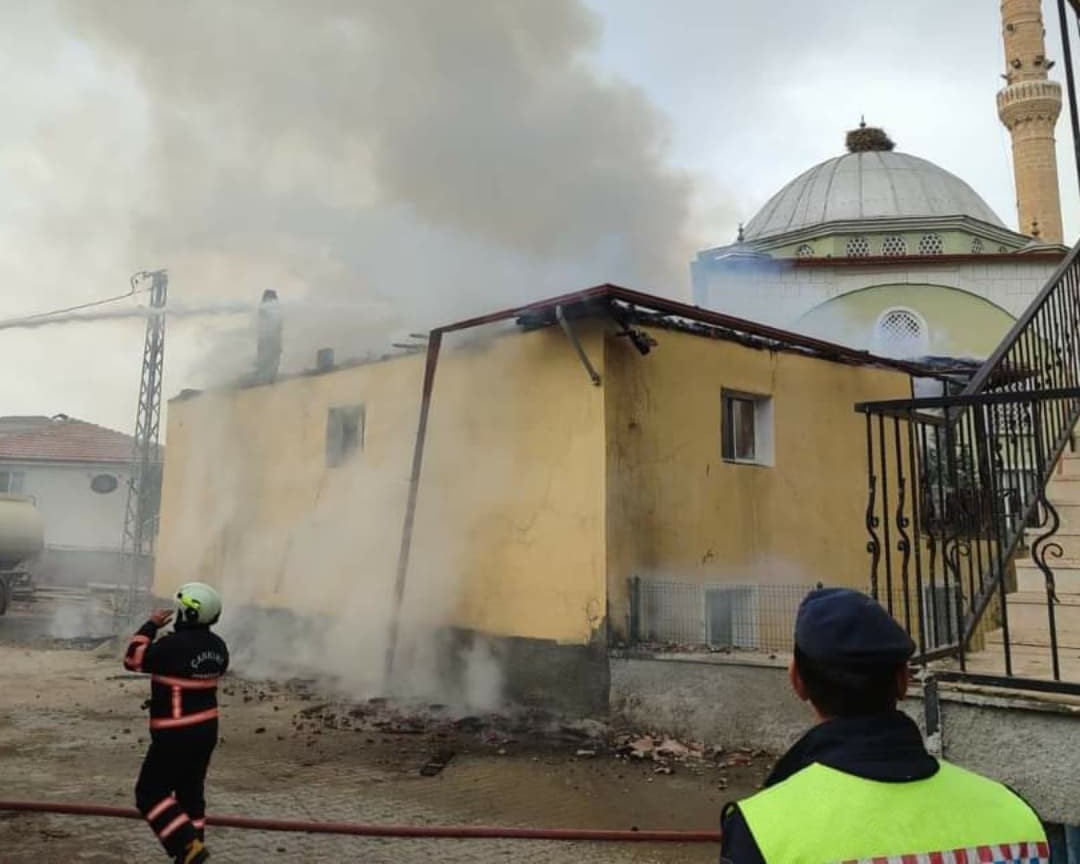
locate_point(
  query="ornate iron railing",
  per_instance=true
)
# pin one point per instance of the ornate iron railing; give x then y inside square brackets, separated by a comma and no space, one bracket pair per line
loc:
[957,486]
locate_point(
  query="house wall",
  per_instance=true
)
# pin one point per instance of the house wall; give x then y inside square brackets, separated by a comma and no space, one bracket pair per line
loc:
[508,540]
[83,528]
[76,517]
[677,511]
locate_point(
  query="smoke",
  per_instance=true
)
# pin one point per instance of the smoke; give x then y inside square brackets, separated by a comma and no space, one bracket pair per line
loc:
[385,167]
[443,158]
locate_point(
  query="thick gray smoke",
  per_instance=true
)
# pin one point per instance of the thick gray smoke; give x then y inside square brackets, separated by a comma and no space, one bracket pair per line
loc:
[443,158]
[385,167]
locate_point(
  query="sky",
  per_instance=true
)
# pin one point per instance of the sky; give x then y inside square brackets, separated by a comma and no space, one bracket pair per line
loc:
[387,167]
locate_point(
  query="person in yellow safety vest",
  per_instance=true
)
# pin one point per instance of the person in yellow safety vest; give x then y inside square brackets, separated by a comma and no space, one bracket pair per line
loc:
[860,786]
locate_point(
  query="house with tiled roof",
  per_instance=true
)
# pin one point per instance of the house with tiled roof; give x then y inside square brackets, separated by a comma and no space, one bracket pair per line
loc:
[77,475]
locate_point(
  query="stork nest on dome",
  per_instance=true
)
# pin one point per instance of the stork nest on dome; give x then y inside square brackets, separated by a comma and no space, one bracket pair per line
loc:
[866,139]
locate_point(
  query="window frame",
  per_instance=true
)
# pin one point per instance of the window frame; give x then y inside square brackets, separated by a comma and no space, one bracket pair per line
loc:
[763,454]
[341,446]
[8,474]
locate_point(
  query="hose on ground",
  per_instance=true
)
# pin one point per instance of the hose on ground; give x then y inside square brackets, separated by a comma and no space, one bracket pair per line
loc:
[457,832]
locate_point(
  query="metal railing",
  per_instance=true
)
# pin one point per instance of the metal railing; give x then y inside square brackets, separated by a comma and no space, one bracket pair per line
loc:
[957,486]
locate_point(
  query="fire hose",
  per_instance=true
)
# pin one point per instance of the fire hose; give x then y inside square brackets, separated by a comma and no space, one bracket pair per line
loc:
[355,829]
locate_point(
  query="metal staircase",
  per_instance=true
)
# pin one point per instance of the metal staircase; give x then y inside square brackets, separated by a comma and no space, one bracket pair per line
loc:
[973,510]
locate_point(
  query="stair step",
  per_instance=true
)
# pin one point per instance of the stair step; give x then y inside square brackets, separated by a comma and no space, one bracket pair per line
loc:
[1028,613]
[1067,639]
[1030,578]
[1065,488]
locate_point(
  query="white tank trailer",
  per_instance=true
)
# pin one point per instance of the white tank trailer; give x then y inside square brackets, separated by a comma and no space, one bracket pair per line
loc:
[22,537]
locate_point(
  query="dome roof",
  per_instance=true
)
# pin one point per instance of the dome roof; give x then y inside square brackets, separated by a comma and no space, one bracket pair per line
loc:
[864,185]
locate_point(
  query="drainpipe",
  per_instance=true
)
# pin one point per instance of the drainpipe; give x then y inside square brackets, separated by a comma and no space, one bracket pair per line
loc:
[434,343]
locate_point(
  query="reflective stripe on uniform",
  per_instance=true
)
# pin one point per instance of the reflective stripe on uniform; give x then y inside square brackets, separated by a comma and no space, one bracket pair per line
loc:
[176,703]
[159,808]
[141,643]
[1015,853]
[185,683]
[189,720]
[172,826]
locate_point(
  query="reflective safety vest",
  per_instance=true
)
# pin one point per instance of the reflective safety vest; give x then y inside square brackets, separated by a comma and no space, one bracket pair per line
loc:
[824,816]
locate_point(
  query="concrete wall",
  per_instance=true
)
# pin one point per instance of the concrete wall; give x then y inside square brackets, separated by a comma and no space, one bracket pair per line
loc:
[1030,743]
[509,524]
[677,511]
[76,517]
[712,698]
[782,292]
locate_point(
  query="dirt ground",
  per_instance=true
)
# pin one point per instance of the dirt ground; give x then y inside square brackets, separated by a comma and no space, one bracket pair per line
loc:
[71,729]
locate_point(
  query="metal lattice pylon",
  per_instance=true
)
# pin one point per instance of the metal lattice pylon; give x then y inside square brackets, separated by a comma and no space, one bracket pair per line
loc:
[144,482]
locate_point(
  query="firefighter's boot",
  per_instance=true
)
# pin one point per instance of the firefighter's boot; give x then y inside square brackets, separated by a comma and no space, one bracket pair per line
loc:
[194,853]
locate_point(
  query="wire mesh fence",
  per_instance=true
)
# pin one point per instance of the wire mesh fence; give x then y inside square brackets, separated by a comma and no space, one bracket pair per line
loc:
[716,616]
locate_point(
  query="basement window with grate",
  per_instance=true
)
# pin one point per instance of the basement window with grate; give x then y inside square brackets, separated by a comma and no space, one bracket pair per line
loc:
[746,428]
[344,433]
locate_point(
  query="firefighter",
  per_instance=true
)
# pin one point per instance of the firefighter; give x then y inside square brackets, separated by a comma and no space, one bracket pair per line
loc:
[184,666]
[860,786]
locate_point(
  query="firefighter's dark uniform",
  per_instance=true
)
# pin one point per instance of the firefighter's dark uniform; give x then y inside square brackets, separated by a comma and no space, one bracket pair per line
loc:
[185,667]
[864,788]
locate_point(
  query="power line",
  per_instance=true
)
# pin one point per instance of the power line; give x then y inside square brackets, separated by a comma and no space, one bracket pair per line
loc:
[14,322]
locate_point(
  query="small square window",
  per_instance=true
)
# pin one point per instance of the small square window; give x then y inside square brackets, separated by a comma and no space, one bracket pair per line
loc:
[344,433]
[11,482]
[746,428]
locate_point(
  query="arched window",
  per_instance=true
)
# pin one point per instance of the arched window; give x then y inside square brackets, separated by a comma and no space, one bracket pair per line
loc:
[976,246]
[901,333]
[805,251]
[893,245]
[931,244]
[858,247]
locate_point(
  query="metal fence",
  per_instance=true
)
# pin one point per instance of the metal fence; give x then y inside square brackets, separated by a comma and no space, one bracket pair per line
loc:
[717,616]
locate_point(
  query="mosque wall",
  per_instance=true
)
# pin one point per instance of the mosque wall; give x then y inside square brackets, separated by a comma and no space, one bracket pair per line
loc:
[781,293]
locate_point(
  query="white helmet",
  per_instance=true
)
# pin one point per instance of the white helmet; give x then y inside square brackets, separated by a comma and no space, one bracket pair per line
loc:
[197,603]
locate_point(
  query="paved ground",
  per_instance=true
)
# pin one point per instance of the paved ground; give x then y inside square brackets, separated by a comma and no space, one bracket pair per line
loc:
[71,729]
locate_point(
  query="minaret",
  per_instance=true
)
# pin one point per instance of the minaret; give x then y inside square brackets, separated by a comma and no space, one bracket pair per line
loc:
[1029,107]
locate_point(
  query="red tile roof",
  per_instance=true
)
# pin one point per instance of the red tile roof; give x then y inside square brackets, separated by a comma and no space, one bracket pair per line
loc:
[65,439]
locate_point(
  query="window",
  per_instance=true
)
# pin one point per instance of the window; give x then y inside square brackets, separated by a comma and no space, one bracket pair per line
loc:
[858,247]
[746,428]
[344,433]
[931,244]
[976,246]
[103,484]
[805,251]
[901,333]
[11,482]
[893,245]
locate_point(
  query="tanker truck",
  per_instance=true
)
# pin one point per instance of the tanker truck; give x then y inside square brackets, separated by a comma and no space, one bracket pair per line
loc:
[22,537]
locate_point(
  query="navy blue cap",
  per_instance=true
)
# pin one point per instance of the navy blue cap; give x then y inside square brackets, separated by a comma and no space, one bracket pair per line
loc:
[839,625]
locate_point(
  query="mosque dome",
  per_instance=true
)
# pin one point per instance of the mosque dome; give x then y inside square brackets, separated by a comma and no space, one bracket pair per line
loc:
[870,182]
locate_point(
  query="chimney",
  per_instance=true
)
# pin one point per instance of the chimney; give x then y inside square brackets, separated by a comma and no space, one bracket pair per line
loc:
[324,359]
[268,339]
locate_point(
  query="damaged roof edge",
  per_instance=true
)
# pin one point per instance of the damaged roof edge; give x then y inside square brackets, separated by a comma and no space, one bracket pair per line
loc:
[664,306]
[728,327]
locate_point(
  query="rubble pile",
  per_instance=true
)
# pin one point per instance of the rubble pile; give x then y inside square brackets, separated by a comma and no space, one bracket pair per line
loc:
[665,753]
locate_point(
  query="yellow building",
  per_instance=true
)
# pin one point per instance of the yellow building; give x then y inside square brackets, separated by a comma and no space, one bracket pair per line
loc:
[570,447]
